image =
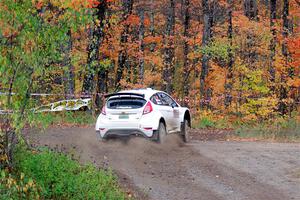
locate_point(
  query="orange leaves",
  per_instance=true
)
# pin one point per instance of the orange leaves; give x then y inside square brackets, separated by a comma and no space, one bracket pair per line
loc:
[152,39]
[133,20]
[295,44]
[39,4]
[216,78]
[294,82]
[294,48]
[92,3]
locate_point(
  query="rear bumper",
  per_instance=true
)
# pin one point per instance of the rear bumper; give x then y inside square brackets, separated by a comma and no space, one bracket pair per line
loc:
[144,126]
[123,132]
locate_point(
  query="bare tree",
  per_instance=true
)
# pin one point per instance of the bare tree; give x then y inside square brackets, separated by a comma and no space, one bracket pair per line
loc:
[186,67]
[273,40]
[229,76]
[123,57]
[69,74]
[141,41]
[206,38]
[168,70]
[96,37]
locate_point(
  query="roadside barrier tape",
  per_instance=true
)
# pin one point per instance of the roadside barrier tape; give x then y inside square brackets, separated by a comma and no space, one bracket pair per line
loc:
[63,95]
[85,101]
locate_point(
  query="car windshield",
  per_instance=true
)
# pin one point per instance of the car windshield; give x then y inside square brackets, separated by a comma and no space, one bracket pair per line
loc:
[125,103]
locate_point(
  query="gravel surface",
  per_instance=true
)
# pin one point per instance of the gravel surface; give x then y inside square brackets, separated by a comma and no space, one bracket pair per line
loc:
[208,170]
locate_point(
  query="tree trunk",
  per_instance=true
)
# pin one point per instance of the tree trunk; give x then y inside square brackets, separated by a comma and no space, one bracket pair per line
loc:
[186,68]
[206,38]
[285,32]
[123,57]
[272,42]
[229,76]
[69,76]
[152,33]
[141,41]
[96,37]
[250,9]
[267,6]
[283,88]
[168,70]
[101,87]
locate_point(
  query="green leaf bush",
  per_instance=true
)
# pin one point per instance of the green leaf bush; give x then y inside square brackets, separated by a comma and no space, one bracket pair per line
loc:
[60,177]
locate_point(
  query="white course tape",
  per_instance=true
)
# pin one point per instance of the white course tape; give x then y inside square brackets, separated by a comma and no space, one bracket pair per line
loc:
[68,105]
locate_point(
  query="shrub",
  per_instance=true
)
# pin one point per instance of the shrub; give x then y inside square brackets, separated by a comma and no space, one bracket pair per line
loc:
[12,187]
[205,122]
[60,177]
[211,120]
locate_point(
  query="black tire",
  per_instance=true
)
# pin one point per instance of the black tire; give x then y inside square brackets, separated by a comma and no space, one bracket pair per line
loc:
[101,139]
[160,134]
[185,131]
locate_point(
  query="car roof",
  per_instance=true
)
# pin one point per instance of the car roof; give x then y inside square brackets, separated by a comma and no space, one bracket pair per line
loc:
[148,92]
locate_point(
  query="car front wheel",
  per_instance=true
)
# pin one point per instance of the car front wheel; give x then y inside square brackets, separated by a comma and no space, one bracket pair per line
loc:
[185,131]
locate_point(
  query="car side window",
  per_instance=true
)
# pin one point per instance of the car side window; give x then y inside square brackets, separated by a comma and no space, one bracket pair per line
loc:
[167,100]
[156,100]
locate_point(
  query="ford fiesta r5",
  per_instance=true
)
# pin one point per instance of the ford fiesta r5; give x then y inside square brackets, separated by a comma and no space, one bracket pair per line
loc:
[146,112]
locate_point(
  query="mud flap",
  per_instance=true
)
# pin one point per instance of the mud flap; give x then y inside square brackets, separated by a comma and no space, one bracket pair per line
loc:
[98,135]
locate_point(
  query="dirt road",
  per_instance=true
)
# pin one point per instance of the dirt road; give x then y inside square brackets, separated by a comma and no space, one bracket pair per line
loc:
[200,170]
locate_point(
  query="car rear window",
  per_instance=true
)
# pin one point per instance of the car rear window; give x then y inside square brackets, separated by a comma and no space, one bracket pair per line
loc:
[125,103]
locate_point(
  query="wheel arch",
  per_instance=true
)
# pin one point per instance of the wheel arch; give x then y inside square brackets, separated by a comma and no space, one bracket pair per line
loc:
[187,116]
[162,120]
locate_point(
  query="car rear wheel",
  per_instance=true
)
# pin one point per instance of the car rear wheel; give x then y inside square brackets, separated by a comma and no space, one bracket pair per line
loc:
[185,131]
[160,134]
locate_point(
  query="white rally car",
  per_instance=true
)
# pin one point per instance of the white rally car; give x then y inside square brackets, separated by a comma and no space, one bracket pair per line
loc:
[147,112]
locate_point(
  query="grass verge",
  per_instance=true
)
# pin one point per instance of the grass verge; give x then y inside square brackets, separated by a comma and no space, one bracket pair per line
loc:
[65,118]
[277,129]
[285,130]
[56,176]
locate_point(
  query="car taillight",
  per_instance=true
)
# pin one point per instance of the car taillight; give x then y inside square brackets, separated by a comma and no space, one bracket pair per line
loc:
[148,108]
[103,111]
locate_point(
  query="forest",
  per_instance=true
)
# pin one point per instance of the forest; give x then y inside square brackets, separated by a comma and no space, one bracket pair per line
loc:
[233,57]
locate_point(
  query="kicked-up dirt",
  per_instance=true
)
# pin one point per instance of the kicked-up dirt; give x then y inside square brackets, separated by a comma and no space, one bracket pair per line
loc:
[208,170]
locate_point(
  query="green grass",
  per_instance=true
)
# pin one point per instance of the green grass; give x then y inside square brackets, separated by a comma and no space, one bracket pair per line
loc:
[279,129]
[207,122]
[64,117]
[57,176]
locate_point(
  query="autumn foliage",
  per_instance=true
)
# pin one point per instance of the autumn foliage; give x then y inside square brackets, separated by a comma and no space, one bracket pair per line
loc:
[229,57]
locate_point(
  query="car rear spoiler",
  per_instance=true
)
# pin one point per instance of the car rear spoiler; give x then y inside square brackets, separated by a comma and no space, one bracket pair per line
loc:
[124,94]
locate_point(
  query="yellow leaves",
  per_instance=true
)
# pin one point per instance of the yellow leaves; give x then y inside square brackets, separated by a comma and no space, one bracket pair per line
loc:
[259,108]
[22,176]
[23,187]
[152,78]
[3,158]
